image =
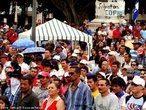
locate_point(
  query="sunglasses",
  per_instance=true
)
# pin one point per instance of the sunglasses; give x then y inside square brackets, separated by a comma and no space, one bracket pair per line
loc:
[71,73]
[133,84]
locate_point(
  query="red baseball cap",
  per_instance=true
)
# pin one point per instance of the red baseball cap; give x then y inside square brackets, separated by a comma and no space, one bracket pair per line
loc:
[44,74]
[140,51]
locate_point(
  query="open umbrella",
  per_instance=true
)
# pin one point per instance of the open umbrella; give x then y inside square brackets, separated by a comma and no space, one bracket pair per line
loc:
[23,43]
[34,50]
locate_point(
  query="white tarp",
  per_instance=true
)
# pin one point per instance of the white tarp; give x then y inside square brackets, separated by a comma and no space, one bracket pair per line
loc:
[55,30]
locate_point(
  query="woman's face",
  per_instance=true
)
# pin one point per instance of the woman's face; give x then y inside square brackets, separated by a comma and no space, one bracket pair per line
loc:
[53,89]
[2,105]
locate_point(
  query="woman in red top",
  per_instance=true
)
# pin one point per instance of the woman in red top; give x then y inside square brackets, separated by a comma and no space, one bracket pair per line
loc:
[54,101]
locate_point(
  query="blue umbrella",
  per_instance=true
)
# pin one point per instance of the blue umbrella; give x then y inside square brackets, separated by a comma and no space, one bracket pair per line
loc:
[23,43]
[34,50]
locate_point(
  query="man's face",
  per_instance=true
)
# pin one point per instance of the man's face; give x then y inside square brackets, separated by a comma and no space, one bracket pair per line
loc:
[73,74]
[47,68]
[64,64]
[116,88]
[136,88]
[102,86]
[135,46]
[134,66]
[122,50]
[33,72]
[114,68]
[47,54]
[44,80]
[20,58]
[104,65]
[3,59]
[83,72]
[25,86]
[91,84]
[127,58]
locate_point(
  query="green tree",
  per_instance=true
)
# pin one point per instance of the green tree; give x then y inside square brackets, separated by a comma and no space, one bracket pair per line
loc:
[74,10]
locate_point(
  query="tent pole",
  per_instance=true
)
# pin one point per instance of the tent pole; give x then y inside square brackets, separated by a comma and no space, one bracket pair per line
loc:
[34,20]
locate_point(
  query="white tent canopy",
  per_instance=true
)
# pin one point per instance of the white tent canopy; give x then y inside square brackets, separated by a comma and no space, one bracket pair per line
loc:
[55,30]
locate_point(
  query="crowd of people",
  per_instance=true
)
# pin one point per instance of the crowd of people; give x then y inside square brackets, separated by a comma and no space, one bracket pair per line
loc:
[113,77]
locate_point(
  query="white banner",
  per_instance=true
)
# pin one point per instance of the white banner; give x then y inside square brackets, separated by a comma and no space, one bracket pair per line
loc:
[109,8]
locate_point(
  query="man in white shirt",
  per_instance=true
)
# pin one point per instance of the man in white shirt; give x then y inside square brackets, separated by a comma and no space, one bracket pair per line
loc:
[136,101]
[105,100]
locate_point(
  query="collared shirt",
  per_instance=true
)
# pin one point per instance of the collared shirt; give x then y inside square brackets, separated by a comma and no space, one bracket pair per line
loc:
[12,98]
[79,99]
[29,102]
[41,94]
[141,60]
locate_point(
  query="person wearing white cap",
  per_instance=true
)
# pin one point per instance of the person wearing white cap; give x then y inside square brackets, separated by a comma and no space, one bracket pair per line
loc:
[22,64]
[100,75]
[135,101]
[112,57]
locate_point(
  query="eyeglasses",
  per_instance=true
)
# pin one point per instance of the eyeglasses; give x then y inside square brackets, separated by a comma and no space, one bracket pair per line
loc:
[133,84]
[71,73]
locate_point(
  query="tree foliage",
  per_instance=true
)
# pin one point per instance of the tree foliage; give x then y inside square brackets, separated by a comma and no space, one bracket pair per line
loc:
[74,10]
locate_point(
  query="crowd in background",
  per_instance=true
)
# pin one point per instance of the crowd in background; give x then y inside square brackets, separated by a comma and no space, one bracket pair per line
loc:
[113,77]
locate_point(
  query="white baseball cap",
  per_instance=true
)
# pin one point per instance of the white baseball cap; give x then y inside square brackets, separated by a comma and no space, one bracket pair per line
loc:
[139,81]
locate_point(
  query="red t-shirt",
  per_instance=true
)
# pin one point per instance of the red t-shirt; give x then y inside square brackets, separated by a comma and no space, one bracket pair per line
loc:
[137,31]
[117,33]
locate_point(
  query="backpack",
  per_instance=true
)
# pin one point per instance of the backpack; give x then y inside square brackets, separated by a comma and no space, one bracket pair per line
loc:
[129,96]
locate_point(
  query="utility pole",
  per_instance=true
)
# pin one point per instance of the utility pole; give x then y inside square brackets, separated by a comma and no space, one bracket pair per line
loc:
[33,20]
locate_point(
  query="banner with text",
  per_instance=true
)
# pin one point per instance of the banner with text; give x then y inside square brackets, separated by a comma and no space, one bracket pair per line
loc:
[109,8]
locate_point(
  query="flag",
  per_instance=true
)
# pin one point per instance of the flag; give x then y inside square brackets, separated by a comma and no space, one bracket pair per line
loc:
[136,11]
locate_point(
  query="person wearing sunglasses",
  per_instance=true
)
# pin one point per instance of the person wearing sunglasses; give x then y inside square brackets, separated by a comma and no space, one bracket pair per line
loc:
[137,100]
[134,66]
[78,96]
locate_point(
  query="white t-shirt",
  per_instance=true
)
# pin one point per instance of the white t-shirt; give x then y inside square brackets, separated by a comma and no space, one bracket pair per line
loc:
[109,102]
[134,103]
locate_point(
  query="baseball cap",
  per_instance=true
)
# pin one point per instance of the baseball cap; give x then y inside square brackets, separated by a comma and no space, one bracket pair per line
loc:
[138,80]
[140,51]
[21,54]
[112,53]
[58,46]
[74,55]
[102,74]
[77,51]
[83,61]
[56,57]
[44,74]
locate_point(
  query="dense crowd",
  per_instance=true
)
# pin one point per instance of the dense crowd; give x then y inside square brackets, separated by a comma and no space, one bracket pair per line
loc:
[65,77]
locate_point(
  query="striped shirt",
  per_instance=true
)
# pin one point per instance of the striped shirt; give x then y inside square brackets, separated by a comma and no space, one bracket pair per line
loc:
[133,54]
[80,99]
